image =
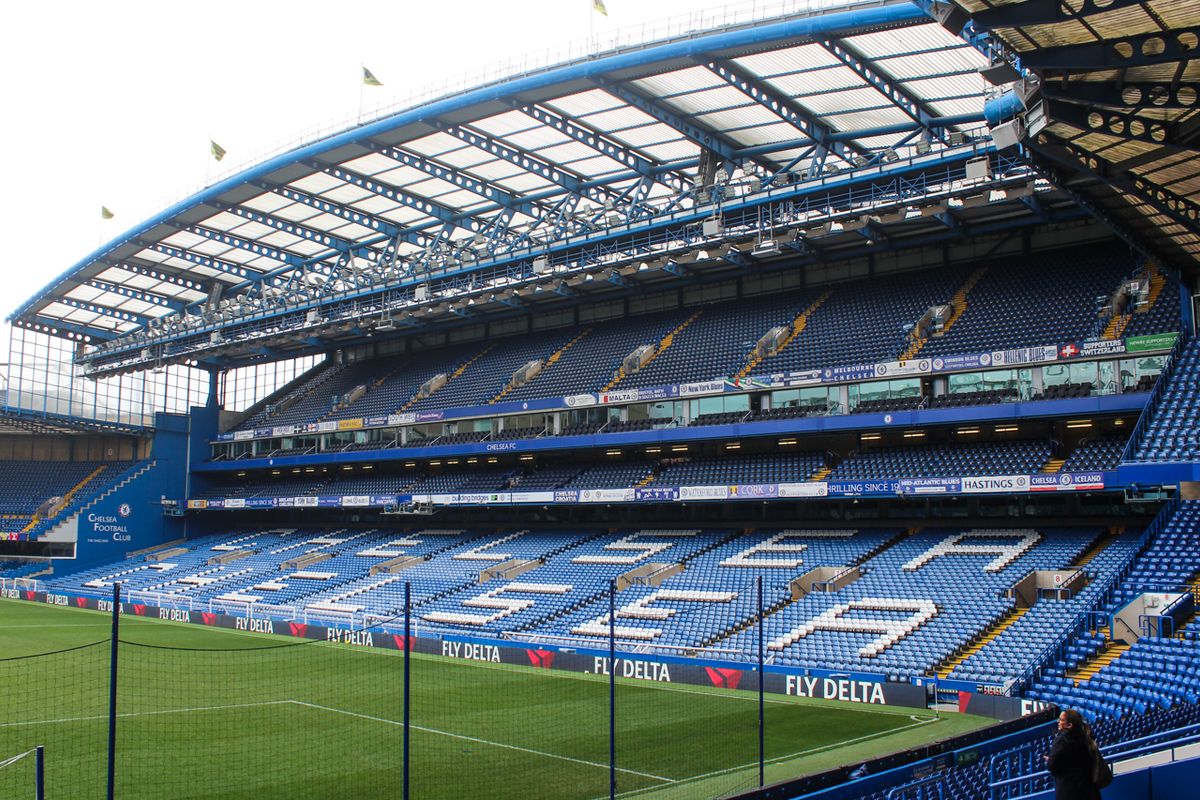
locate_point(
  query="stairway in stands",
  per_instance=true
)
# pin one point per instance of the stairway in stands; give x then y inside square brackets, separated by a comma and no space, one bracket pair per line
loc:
[958,307]
[1119,322]
[1088,669]
[66,499]
[665,343]
[555,356]
[985,638]
[798,326]
[461,369]
[1098,546]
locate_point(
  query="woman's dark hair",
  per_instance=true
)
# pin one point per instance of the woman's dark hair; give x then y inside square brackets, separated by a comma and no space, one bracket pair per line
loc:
[1079,724]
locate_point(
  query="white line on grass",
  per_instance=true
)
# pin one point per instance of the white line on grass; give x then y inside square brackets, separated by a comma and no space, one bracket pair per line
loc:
[777,759]
[482,741]
[134,714]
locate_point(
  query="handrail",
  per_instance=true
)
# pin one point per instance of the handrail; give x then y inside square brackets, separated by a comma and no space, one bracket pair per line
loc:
[1051,652]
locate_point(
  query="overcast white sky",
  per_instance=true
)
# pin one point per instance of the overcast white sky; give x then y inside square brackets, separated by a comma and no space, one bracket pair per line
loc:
[114,103]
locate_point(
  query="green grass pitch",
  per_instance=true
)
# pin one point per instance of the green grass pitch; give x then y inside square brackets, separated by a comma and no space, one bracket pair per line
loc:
[212,713]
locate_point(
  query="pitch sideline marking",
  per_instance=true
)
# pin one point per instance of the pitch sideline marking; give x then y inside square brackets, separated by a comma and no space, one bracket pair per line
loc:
[480,741]
[134,714]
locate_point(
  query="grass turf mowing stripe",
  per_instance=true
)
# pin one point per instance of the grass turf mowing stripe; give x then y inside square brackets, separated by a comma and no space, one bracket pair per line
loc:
[477,740]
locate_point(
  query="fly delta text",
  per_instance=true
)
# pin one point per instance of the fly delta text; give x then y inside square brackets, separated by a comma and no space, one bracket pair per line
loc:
[836,689]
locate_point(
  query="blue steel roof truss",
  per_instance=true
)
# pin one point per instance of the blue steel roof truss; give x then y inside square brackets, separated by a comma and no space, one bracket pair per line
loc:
[585,201]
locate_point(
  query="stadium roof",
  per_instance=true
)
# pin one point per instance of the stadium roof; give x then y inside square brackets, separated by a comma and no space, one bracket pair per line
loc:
[1120,106]
[549,171]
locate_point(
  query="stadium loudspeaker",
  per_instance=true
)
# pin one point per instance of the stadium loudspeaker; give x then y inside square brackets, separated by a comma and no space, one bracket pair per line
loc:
[949,16]
[1008,134]
[999,72]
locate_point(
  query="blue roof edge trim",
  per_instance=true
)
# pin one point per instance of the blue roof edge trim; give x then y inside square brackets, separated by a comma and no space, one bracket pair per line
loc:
[901,13]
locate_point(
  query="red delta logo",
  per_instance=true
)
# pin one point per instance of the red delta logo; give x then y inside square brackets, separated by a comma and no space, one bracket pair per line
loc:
[81,602]
[140,610]
[208,618]
[542,659]
[964,700]
[30,595]
[402,643]
[724,678]
[298,629]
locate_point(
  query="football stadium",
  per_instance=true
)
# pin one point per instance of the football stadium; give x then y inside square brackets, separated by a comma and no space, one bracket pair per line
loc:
[801,404]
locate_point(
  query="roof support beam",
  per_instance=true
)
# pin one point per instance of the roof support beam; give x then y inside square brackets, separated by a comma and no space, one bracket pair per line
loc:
[108,311]
[381,226]
[710,140]
[897,94]
[565,178]
[1116,123]
[283,225]
[1139,95]
[1182,210]
[427,207]
[216,265]
[96,334]
[603,144]
[228,239]
[462,180]
[786,109]
[1043,12]
[159,272]
[1131,51]
[137,294]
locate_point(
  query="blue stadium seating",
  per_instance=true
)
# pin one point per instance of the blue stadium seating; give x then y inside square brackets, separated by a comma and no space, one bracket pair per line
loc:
[1173,433]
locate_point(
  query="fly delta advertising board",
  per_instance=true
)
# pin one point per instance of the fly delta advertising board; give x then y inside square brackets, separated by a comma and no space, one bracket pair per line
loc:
[853,688]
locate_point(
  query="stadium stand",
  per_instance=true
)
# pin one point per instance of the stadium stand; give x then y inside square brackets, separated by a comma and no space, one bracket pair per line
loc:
[1173,432]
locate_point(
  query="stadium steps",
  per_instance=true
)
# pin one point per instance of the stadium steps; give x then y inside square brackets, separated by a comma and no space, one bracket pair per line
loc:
[554,357]
[129,478]
[461,369]
[1119,322]
[1098,546]
[646,481]
[798,326]
[1088,669]
[1052,466]
[663,345]
[958,307]
[372,386]
[35,520]
[1116,326]
[821,474]
[1005,622]
[1157,282]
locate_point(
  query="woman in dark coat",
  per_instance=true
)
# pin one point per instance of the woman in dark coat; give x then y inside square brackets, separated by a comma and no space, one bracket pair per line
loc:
[1073,758]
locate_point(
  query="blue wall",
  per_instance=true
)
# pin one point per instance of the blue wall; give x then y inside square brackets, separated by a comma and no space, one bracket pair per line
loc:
[132,518]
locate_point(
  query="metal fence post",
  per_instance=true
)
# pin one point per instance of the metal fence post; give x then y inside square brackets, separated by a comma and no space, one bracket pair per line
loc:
[40,773]
[762,679]
[407,676]
[612,690]
[112,691]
